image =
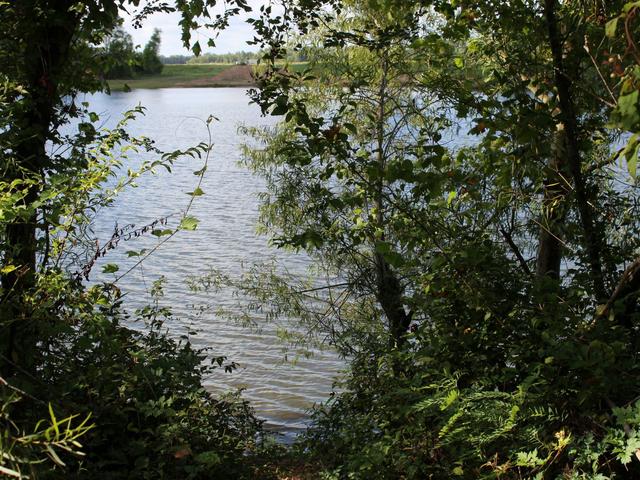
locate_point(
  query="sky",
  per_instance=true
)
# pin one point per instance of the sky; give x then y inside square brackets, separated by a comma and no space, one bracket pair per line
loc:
[233,39]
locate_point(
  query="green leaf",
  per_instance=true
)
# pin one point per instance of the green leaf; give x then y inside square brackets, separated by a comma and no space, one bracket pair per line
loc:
[196,49]
[610,27]
[54,422]
[630,153]
[632,162]
[279,110]
[10,473]
[8,269]
[189,223]
[196,193]
[628,104]
[110,268]
[451,397]
[351,127]
[102,300]
[54,456]
[161,233]
[208,458]
[529,459]
[629,451]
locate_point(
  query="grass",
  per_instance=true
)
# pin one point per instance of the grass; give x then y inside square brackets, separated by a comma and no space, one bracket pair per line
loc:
[171,76]
[175,75]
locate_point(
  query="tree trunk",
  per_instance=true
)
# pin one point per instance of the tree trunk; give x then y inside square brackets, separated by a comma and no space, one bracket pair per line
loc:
[390,296]
[549,254]
[390,293]
[592,236]
[52,27]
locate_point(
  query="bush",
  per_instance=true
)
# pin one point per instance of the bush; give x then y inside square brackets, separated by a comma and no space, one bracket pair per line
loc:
[151,415]
[433,424]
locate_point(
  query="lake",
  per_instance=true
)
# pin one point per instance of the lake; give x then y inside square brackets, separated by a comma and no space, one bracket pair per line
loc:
[225,239]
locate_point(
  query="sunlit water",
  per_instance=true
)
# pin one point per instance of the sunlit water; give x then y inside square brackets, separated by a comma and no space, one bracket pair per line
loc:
[225,239]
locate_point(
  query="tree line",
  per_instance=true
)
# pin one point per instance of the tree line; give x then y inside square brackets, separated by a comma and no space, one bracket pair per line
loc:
[238,58]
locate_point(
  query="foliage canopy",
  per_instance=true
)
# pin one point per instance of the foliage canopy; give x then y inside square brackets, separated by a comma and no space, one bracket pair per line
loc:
[467,171]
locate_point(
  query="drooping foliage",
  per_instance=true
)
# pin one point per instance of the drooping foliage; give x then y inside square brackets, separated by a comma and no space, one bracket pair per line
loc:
[455,167]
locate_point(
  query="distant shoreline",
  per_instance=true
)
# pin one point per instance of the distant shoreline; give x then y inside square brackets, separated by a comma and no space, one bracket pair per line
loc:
[193,76]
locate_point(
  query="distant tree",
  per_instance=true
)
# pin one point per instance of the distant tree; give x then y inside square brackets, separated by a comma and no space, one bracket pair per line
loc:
[123,60]
[235,57]
[151,62]
[120,54]
[175,59]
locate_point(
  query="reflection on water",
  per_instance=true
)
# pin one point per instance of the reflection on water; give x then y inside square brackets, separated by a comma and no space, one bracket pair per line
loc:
[225,239]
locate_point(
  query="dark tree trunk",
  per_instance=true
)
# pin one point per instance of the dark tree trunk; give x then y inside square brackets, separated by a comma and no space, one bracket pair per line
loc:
[52,26]
[592,236]
[549,253]
[390,296]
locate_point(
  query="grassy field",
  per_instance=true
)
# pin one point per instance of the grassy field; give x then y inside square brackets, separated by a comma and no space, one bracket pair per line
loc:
[171,76]
[180,76]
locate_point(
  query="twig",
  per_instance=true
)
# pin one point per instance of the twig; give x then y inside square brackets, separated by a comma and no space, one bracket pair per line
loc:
[324,287]
[629,275]
[604,81]
[516,251]
[186,212]
[4,383]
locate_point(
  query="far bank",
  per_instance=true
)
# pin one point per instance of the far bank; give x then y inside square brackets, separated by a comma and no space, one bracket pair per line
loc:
[190,76]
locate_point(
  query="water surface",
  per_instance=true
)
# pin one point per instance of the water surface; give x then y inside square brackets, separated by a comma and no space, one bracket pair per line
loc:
[225,239]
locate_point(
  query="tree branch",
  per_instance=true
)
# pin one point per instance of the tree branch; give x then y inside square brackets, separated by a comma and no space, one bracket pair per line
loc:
[516,251]
[629,282]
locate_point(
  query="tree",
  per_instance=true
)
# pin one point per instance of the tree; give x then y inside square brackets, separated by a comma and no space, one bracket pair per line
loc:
[508,246]
[334,176]
[120,54]
[151,63]
[40,41]
[64,350]
[46,60]
[122,60]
